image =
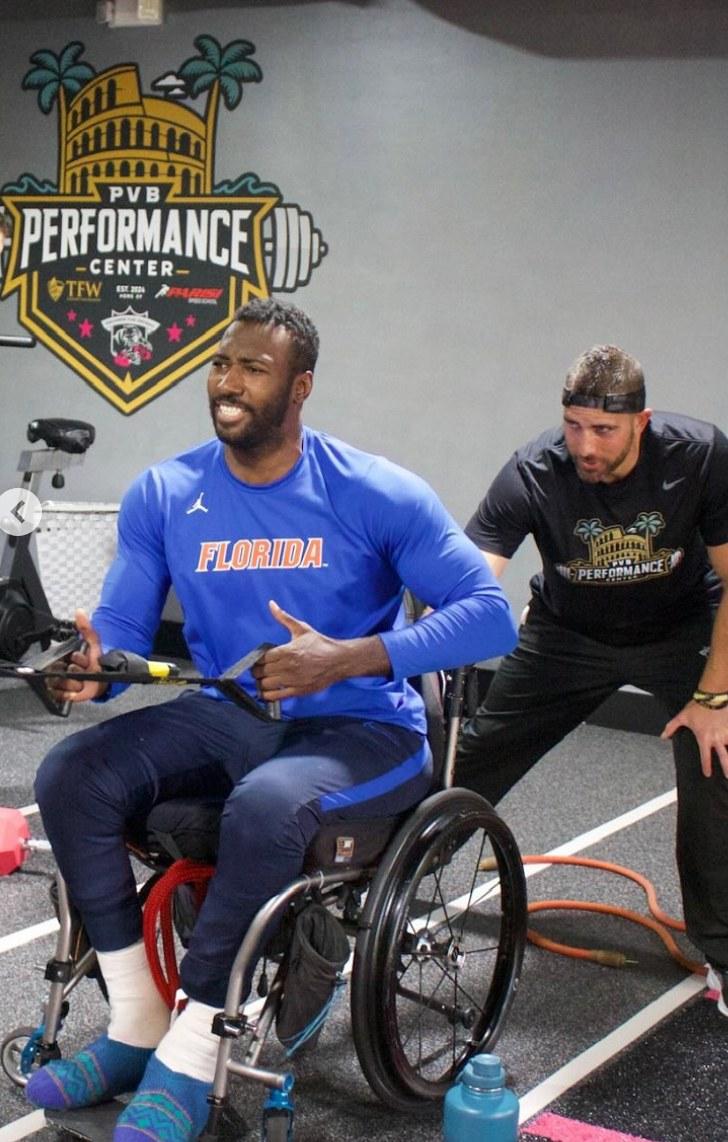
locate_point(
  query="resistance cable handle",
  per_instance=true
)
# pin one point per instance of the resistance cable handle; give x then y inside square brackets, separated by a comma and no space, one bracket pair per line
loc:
[127,667]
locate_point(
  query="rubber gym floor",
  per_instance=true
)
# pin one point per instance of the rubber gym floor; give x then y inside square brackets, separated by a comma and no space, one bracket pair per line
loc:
[596,1054]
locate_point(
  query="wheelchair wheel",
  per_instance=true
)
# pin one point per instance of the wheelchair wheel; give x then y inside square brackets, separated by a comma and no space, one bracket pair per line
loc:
[439,950]
[21,1054]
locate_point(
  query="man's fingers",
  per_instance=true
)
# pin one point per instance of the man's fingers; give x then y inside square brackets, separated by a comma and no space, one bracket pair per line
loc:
[669,729]
[87,632]
[293,625]
[706,760]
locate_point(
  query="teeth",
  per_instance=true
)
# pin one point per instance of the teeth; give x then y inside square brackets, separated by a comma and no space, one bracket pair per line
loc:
[228,411]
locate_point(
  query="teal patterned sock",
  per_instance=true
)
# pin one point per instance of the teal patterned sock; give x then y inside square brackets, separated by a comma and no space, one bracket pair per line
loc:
[167,1107]
[102,1070]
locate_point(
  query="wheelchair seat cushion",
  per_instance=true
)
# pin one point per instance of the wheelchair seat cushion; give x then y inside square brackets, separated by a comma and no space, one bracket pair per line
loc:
[190,827]
[184,827]
[350,844]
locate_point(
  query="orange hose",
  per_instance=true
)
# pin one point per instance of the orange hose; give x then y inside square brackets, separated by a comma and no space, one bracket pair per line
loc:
[158,923]
[657,923]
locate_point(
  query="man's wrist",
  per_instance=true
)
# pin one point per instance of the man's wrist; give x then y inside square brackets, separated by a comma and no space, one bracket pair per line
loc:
[366,656]
[712,700]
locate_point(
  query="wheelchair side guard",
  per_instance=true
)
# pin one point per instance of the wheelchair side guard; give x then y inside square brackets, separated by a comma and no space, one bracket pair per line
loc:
[427,819]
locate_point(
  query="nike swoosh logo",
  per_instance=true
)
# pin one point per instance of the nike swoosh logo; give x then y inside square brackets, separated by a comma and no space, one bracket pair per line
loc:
[668,484]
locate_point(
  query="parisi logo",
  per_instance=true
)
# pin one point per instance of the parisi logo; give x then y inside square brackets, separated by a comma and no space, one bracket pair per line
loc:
[130,266]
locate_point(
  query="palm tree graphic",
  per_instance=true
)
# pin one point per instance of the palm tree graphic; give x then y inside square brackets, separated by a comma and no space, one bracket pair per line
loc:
[587,530]
[215,70]
[648,524]
[55,77]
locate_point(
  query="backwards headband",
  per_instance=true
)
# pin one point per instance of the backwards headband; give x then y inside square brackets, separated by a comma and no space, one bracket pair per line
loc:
[610,402]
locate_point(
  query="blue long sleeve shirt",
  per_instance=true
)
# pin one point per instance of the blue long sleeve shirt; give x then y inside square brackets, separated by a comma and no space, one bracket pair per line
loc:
[334,542]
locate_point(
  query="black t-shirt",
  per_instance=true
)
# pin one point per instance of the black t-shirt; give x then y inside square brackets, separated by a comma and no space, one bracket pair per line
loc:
[622,562]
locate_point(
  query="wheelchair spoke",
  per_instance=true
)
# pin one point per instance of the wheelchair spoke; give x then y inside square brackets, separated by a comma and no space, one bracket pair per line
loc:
[445,954]
[438,1004]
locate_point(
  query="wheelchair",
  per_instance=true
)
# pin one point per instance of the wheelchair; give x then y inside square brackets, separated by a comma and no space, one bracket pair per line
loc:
[433,903]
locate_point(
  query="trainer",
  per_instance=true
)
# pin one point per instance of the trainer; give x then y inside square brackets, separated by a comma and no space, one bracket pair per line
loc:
[629,511]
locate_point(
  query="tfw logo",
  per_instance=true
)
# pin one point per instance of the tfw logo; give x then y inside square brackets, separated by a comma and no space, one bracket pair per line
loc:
[260,554]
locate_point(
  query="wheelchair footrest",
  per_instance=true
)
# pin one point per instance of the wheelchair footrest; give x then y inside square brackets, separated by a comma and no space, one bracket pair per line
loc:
[93,1123]
[96,1123]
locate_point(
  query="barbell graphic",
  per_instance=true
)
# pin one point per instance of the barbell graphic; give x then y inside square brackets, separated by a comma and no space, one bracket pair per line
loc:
[292,247]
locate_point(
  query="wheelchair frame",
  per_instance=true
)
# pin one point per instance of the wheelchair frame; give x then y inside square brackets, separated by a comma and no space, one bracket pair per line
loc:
[410,1043]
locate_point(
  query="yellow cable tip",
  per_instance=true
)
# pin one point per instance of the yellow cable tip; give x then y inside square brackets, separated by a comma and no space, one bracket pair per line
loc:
[163,669]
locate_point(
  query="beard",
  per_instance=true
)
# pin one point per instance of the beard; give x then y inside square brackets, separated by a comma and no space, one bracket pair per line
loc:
[602,472]
[260,431]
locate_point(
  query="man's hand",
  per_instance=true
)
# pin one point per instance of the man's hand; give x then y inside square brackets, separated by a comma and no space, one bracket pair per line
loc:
[710,728]
[311,661]
[69,690]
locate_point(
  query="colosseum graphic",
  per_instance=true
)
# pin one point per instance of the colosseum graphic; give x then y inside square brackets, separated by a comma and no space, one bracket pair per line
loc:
[131,265]
[619,555]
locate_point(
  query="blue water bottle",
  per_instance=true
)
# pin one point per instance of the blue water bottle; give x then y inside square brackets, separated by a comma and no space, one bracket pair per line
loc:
[480,1107]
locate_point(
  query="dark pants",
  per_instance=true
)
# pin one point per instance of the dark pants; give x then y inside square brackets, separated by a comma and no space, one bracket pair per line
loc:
[553,681]
[282,781]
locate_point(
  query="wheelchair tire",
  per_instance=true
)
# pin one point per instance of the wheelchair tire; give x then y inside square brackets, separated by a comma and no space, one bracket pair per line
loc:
[439,948]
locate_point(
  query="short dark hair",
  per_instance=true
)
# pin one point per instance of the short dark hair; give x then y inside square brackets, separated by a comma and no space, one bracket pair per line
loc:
[605,377]
[302,331]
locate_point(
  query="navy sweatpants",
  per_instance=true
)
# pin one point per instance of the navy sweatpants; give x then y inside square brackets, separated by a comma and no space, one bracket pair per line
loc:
[556,678]
[282,781]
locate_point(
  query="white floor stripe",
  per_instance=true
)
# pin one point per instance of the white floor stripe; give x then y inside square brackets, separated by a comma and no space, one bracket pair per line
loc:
[617,823]
[23,1127]
[598,1054]
[550,1089]
[593,836]
[27,935]
[569,848]
[28,810]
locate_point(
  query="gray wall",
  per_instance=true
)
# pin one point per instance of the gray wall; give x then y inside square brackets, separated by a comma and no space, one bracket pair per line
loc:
[500,186]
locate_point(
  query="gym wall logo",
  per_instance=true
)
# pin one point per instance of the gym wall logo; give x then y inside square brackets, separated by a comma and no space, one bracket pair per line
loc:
[130,267]
[619,556]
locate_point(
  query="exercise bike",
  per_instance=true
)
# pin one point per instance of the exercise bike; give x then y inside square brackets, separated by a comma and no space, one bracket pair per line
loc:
[25,614]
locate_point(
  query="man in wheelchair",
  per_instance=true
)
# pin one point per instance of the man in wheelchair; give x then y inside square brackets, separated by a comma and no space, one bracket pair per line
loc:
[270,510]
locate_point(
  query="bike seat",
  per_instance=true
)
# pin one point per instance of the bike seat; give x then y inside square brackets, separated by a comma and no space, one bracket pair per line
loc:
[66,435]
